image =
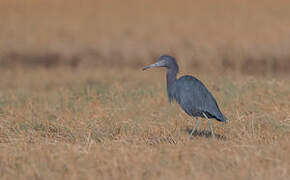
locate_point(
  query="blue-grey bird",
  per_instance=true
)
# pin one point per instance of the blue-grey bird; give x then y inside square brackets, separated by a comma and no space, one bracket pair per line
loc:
[190,93]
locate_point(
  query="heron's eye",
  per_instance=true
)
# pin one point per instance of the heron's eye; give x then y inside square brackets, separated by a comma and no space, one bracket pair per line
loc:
[163,61]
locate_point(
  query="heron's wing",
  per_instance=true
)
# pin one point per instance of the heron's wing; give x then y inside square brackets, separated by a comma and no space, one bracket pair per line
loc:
[195,98]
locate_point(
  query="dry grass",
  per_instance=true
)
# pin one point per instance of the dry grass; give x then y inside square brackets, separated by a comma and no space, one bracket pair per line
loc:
[84,125]
[64,114]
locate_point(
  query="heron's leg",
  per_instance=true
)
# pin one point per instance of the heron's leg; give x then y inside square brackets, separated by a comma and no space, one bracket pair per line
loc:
[195,127]
[210,125]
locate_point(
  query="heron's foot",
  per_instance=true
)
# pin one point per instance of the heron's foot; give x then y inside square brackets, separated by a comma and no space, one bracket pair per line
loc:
[210,125]
[195,128]
[212,135]
[192,132]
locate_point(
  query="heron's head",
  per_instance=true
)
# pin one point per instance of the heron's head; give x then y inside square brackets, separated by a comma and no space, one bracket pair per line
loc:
[164,61]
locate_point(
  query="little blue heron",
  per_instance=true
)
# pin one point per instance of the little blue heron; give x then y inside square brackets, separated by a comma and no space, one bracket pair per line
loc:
[190,93]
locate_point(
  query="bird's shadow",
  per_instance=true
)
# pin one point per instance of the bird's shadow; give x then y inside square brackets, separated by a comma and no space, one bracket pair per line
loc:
[205,133]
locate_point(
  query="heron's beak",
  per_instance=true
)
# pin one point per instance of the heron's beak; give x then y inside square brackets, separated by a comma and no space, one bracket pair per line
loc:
[158,64]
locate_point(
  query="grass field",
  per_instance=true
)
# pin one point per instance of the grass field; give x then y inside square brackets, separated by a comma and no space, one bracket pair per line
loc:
[74,103]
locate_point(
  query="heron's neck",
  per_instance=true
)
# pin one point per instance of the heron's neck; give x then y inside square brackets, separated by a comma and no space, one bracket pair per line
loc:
[171,76]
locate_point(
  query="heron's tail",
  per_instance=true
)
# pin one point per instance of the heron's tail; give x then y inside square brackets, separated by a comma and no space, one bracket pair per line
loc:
[222,118]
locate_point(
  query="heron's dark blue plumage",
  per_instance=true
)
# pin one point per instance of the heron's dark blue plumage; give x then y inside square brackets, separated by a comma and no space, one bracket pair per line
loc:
[189,92]
[194,98]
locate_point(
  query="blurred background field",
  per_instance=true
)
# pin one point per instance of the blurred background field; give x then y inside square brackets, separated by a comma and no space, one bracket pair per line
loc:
[74,103]
[248,37]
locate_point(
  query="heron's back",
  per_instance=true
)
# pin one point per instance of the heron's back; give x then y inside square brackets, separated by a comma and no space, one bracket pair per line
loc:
[194,98]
